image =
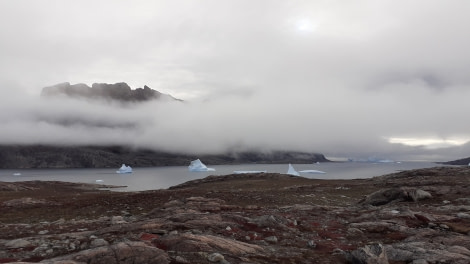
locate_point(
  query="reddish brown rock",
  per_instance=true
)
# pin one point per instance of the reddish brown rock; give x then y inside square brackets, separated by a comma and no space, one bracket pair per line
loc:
[120,253]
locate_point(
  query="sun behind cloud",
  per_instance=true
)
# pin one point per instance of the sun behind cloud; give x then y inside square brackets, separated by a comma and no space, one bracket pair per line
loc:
[305,25]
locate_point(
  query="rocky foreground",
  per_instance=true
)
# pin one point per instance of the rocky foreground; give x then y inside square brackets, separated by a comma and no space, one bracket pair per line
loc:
[420,216]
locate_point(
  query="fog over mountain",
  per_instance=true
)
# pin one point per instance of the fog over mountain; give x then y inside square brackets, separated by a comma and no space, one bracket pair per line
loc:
[105,92]
[213,126]
[367,78]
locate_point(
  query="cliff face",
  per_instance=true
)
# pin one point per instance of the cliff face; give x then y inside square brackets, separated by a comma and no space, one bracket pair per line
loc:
[25,157]
[118,91]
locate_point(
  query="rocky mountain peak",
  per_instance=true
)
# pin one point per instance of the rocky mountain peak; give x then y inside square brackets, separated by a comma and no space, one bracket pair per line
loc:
[119,91]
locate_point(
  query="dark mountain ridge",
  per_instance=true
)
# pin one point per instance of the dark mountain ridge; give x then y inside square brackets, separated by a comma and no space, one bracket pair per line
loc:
[40,156]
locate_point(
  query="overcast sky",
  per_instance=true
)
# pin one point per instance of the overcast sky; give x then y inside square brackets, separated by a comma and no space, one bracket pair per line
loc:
[344,78]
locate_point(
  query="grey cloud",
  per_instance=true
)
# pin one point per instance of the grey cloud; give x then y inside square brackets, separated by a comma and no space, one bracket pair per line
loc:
[431,80]
[369,70]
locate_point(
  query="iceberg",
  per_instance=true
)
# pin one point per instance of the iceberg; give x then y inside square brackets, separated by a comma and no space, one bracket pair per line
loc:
[372,160]
[249,171]
[197,165]
[312,171]
[124,169]
[292,171]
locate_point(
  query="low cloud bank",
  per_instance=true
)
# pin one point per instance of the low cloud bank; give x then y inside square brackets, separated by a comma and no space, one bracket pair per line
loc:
[261,122]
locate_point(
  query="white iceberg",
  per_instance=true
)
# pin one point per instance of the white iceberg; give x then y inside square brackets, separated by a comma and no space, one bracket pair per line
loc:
[372,160]
[312,171]
[124,169]
[249,171]
[16,174]
[197,165]
[292,171]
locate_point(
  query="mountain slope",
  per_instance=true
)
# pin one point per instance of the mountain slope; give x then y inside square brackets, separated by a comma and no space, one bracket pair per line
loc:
[38,156]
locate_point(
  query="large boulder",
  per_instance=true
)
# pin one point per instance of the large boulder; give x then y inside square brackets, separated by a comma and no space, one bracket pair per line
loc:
[386,196]
[205,243]
[120,253]
[369,254]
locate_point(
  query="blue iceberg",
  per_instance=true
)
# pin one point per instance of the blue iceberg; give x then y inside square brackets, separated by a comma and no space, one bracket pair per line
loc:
[124,169]
[292,171]
[197,165]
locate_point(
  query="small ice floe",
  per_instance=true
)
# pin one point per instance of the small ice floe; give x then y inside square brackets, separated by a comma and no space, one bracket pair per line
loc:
[99,181]
[16,174]
[124,169]
[197,165]
[249,171]
[312,171]
[292,171]
[394,211]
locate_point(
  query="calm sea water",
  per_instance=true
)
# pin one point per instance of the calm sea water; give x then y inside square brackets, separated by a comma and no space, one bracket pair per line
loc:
[163,177]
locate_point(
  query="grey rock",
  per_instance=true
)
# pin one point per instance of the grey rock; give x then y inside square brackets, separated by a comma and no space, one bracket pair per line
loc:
[463,200]
[386,196]
[444,226]
[311,244]
[26,201]
[206,243]
[403,253]
[180,259]
[215,257]
[417,194]
[117,220]
[120,253]
[99,242]
[463,215]
[271,239]
[18,243]
[369,254]
[431,252]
